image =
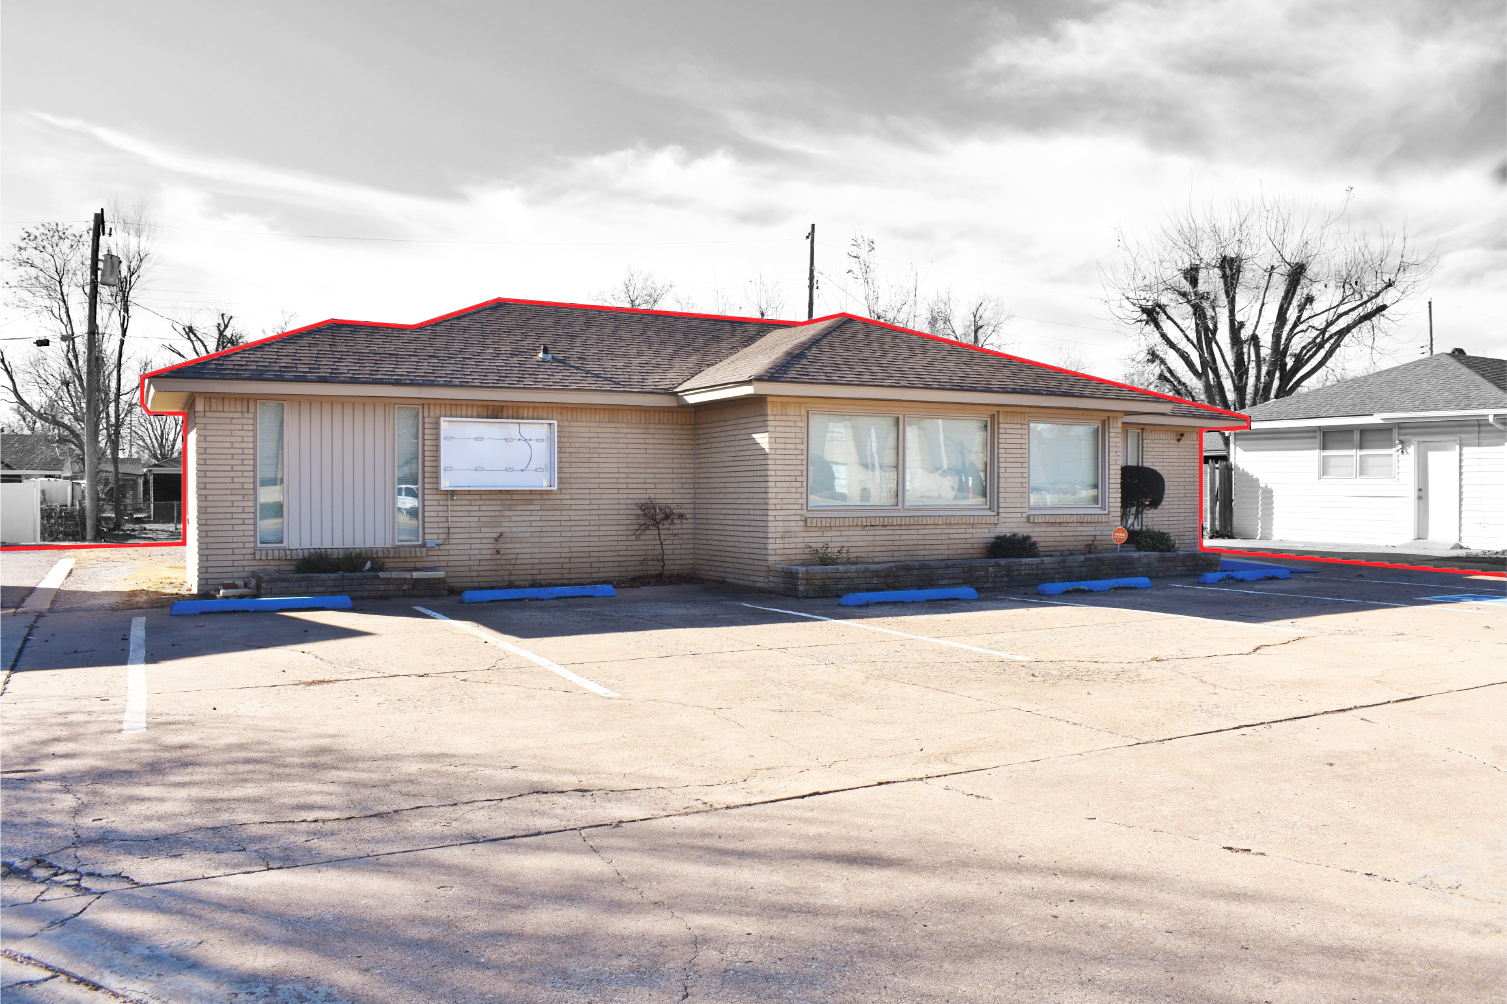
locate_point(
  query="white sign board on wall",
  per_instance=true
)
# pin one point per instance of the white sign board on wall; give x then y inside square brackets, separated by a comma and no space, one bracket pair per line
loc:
[488,454]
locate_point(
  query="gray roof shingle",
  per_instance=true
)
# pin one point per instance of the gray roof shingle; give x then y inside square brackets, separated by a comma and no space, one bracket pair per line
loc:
[1441,382]
[595,348]
[36,451]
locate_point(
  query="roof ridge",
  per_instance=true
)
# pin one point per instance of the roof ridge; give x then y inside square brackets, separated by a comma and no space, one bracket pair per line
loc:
[786,343]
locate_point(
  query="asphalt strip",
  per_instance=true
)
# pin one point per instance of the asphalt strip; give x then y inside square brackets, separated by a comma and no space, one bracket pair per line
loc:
[1159,613]
[901,634]
[1331,599]
[538,660]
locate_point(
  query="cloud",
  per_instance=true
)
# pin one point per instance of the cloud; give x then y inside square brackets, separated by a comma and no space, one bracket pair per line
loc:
[1279,82]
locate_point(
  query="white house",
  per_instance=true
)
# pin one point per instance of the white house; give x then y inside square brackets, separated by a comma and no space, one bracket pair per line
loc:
[1417,452]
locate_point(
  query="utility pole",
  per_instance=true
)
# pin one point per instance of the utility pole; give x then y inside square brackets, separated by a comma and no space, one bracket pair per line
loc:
[91,388]
[1431,327]
[811,277]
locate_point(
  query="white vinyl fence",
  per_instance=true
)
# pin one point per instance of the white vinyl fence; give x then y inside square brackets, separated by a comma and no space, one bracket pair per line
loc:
[21,513]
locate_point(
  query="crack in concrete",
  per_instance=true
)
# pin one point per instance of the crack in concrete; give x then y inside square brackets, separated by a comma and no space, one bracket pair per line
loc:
[1470,756]
[689,974]
[131,996]
[782,799]
[319,820]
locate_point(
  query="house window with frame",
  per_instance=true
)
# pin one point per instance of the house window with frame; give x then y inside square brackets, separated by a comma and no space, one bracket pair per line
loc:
[1133,447]
[406,423]
[1067,465]
[271,480]
[1378,453]
[856,461]
[1349,453]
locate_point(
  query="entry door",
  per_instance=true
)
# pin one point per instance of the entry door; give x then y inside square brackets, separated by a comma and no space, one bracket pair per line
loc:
[1438,491]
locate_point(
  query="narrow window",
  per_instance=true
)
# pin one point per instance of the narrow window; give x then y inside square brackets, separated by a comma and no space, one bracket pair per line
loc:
[853,461]
[408,475]
[946,462]
[1377,456]
[1065,465]
[1133,447]
[269,472]
[1337,454]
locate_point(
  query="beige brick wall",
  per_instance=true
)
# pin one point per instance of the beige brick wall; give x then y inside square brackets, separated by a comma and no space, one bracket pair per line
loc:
[1178,462]
[738,468]
[609,458]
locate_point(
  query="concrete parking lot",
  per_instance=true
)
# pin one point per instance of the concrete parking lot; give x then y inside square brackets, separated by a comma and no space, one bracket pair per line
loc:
[1277,791]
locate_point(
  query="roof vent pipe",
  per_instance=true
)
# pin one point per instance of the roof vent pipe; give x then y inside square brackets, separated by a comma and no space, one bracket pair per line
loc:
[544,354]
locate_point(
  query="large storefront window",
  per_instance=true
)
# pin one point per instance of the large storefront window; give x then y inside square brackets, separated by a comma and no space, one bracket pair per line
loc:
[855,462]
[946,462]
[1066,465]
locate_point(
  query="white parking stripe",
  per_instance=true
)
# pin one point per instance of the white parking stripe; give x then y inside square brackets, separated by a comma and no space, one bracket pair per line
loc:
[136,679]
[538,660]
[1397,582]
[1306,596]
[40,598]
[902,634]
[1158,613]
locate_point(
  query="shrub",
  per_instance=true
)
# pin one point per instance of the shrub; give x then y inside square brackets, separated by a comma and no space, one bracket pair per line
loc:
[1014,545]
[659,518]
[324,562]
[1141,488]
[1152,540]
[826,554]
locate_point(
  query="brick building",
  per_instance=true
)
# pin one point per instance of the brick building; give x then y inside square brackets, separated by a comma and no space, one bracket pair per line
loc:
[508,442]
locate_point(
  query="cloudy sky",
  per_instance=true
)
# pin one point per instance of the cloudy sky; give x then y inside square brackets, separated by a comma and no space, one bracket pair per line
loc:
[394,161]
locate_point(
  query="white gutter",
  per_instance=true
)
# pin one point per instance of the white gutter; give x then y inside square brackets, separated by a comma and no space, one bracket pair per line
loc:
[1491,415]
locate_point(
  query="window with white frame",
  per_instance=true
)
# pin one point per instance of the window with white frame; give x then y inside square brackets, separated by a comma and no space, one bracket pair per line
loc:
[1349,453]
[856,461]
[1067,465]
[1378,453]
[271,479]
[406,424]
[1133,447]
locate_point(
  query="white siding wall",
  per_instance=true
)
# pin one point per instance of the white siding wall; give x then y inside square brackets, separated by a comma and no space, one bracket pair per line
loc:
[340,468]
[1280,496]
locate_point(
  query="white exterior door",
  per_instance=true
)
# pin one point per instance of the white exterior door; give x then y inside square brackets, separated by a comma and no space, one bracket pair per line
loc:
[1438,490]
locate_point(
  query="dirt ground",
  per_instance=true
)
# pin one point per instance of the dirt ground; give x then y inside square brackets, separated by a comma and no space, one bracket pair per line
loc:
[1283,791]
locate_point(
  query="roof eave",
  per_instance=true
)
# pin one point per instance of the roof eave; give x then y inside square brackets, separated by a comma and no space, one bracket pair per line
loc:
[165,394]
[1150,412]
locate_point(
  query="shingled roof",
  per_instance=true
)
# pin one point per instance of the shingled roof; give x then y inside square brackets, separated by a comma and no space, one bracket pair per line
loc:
[496,345]
[31,451]
[1442,382]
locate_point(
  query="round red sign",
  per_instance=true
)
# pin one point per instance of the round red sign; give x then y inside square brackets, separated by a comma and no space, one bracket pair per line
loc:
[1121,535]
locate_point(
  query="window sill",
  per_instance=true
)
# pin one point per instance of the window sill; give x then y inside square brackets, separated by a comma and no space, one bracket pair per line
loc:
[901,519]
[274,552]
[1070,517]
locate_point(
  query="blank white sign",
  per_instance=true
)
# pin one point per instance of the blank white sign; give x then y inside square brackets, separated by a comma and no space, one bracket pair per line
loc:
[491,454]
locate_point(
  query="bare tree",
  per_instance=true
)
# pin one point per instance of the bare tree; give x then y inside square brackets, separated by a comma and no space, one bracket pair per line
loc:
[132,240]
[660,518]
[1237,305]
[637,289]
[49,282]
[894,301]
[980,321]
[158,438]
[764,296]
[222,334]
